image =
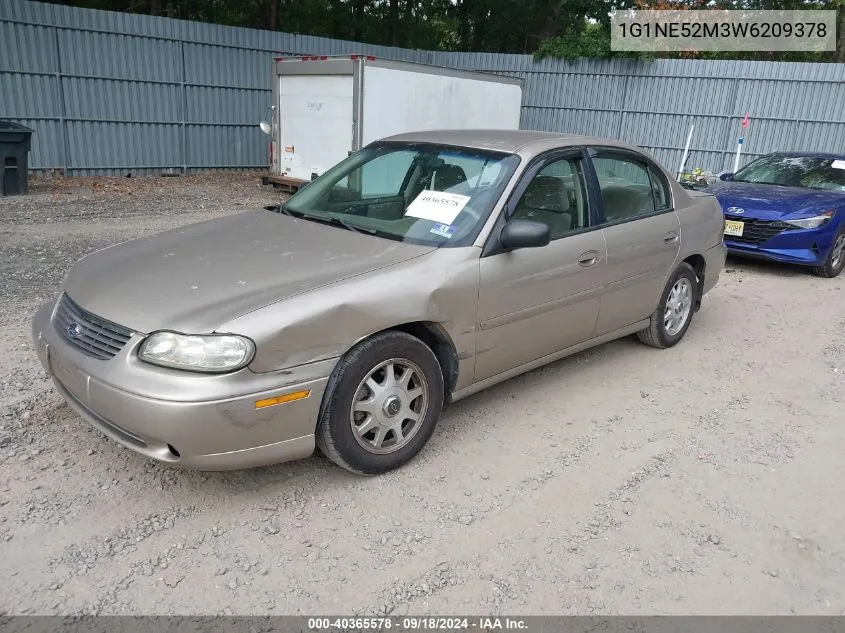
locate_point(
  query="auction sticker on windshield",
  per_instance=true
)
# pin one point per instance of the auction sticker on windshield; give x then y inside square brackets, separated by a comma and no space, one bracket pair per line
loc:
[838,164]
[443,230]
[437,206]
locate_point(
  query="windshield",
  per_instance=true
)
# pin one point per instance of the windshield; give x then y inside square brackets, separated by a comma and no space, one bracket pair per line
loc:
[795,171]
[420,193]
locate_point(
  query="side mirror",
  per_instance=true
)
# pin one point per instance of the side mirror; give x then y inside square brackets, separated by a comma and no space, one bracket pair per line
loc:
[303,185]
[726,175]
[524,234]
[265,127]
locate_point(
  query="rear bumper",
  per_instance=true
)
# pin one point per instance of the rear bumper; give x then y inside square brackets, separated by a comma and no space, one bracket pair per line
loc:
[714,264]
[215,426]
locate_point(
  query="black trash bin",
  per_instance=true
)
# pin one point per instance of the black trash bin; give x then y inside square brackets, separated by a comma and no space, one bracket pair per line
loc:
[15,141]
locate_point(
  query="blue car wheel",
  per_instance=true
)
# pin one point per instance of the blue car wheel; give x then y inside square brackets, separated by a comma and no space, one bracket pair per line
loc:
[835,261]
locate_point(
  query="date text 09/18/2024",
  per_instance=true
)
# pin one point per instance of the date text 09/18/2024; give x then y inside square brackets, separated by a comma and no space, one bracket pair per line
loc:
[419,623]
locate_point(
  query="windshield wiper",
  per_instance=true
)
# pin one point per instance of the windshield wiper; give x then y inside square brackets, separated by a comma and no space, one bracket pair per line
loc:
[347,225]
[763,182]
[282,208]
[332,220]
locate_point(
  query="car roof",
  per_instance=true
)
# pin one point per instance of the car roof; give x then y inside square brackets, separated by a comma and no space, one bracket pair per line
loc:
[525,142]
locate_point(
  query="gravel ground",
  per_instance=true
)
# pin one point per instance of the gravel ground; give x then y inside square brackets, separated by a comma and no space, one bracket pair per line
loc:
[623,480]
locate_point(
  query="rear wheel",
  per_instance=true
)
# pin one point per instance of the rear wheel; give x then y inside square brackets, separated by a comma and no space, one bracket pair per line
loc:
[835,261]
[382,404]
[673,316]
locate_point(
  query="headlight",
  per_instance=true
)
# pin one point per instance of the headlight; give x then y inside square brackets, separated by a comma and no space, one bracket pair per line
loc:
[211,353]
[812,223]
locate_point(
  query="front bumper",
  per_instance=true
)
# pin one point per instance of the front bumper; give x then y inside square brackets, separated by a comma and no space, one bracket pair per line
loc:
[805,247]
[799,256]
[205,422]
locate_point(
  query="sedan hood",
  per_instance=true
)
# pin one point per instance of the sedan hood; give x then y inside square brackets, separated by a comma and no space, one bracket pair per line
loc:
[773,202]
[195,278]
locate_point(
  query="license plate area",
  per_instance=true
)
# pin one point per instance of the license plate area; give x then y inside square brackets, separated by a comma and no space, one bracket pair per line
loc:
[734,227]
[70,377]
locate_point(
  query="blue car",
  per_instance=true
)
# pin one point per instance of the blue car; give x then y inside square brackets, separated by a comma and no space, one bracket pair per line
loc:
[787,207]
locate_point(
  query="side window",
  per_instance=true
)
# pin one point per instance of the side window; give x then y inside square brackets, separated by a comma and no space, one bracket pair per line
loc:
[662,193]
[626,188]
[557,197]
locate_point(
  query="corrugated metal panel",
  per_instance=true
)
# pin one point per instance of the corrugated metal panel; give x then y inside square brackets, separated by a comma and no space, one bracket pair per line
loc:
[225,105]
[570,121]
[102,145]
[113,100]
[46,149]
[677,95]
[792,100]
[26,48]
[573,91]
[119,56]
[29,96]
[108,92]
[217,66]
[222,146]
[664,130]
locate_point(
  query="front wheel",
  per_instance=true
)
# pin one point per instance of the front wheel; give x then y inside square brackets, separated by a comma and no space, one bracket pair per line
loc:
[673,316]
[835,261]
[381,405]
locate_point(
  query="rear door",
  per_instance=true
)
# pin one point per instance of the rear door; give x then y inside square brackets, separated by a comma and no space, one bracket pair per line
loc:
[642,233]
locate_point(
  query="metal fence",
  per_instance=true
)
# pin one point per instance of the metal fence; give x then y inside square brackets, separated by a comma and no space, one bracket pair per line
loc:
[114,93]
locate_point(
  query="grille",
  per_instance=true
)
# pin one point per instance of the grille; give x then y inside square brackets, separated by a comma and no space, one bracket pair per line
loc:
[96,337]
[757,231]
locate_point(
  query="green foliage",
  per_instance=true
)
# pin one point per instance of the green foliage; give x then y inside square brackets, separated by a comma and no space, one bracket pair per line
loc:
[566,29]
[592,41]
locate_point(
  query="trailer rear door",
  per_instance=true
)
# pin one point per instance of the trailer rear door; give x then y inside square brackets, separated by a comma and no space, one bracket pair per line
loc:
[315,122]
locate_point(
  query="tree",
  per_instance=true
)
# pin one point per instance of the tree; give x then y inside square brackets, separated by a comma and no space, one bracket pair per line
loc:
[393,22]
[559,28]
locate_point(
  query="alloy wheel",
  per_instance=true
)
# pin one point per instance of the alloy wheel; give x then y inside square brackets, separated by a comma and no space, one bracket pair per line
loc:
[678,306]
[389,406]
[837,252]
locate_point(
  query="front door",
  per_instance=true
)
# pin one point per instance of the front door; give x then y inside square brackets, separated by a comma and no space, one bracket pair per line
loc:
[642,233]
[536,301]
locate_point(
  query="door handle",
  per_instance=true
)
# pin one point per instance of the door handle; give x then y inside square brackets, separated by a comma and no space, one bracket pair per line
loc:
[590,258]
[671,237]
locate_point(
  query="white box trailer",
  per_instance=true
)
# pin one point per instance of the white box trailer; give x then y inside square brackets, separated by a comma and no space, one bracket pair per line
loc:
[326,107]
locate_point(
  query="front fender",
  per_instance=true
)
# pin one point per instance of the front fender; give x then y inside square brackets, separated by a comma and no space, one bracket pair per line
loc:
[440,287]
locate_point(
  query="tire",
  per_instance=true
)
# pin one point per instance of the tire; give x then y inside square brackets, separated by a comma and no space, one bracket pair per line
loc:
[835,261]
[375,408]
[657,334]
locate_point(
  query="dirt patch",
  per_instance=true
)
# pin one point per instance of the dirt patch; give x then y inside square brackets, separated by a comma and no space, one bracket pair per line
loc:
[703,479]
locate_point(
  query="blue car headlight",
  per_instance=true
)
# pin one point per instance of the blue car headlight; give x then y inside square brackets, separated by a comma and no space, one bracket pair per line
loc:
[814,222]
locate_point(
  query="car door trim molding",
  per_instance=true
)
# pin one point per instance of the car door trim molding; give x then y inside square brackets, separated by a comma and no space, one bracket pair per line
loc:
[596,151]
[492,246]
[545,360]
[632,280]
[536,310]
